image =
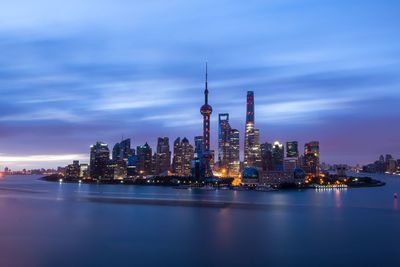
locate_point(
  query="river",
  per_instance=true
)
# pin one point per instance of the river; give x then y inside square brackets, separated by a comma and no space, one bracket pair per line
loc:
[60,224]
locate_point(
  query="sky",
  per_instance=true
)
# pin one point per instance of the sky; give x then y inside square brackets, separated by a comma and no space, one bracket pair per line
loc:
[76,72]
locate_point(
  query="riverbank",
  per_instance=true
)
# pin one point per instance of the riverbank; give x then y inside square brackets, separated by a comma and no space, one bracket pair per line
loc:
[188,182]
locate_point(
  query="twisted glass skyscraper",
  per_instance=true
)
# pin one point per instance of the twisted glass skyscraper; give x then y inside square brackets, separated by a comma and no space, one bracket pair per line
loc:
[252,156]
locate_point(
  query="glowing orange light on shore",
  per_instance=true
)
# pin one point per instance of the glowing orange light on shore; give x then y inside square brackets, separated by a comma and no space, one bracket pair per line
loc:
[236,182]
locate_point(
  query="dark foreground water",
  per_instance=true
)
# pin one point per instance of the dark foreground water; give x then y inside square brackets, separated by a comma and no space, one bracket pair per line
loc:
[52,224]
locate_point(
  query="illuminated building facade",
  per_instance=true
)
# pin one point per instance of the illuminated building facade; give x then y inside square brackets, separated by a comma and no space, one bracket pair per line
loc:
[290,164]
[183,156]
[162,156]
[311,158]
[266,157]
[83,170]
[252,153]
[132,166]
[116,169]
[292,150]
[224,129]
[278,154]
[228,147]
[122,150]
[198,147]
[99,159]
[73,170]
[234,153]
[197,165]
[145,160]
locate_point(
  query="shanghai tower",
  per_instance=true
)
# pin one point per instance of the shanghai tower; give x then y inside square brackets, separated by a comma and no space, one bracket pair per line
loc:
[252,156]
[206,111]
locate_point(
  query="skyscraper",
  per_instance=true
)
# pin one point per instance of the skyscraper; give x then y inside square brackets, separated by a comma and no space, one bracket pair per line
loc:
[197,165]
[234,153]
[132,166]
[228,147]
[198,146]
[99,159]
[278,153]
[266,157]
[206,111]
[123,150]
[292,149]
[144,154]
[163,156]
[183,155]
[252,155]
[224,130]
[117,168]
[311,158]
[116,152]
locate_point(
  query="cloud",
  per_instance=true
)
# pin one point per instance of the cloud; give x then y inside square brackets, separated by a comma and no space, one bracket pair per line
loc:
[42,158]
[44,115]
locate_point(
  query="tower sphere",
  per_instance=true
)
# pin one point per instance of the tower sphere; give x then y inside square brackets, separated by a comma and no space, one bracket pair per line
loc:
[206,109]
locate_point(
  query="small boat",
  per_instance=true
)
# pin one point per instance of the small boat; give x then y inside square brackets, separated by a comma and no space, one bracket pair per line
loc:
[395,195]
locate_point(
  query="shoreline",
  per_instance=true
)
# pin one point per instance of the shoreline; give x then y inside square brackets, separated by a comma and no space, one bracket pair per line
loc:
[352,182]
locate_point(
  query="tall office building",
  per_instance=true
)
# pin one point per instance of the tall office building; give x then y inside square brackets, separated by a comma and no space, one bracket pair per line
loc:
[291,162]
[224,130]
[116,152]
[206,111]
[252,153]
[311,158]
[198,146]
[177,158]
[183,155]
[145,159]
[234,153]
[132,166]
[278,154]
[228,147]
[123,150]
[99,159]
[163,156]
[117,168]
[266,157]
[292,150]
[197,165]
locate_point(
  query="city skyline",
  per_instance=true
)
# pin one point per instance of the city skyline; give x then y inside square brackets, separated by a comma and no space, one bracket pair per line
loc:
[315,76]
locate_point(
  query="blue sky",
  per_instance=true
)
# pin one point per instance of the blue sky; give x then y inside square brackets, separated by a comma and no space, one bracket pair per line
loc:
[74,72]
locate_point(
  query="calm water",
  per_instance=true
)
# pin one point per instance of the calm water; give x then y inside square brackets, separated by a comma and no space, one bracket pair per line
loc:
[52,224]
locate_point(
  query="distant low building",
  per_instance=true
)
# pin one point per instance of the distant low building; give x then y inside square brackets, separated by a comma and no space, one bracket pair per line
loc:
[73,170]
[83,170]
[250,176]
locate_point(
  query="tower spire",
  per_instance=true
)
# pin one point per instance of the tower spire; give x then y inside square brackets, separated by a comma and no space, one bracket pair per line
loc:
[206,89]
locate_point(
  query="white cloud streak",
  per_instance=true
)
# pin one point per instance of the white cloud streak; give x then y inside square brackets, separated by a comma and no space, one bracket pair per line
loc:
[43,158]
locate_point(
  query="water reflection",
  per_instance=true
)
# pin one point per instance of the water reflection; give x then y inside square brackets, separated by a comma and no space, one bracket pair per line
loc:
[338,202]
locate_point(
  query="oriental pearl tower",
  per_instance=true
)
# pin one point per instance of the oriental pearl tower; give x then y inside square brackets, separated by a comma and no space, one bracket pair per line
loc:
[206,111]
